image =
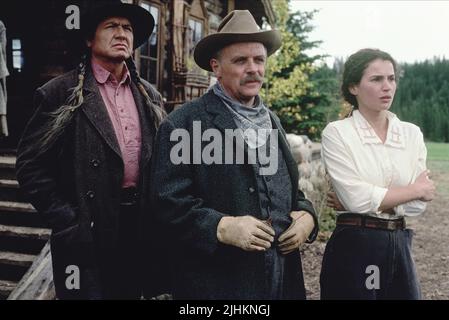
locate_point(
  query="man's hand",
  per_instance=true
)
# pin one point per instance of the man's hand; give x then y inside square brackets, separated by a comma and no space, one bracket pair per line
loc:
[247,233]
[333,202]
[301,227]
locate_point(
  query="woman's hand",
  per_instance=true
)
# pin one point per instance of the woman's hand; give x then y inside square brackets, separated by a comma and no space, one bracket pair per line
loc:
[424,186]
[333,202]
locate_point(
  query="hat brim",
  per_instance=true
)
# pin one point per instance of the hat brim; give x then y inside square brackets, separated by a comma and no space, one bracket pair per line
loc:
[207,47]
[141,20]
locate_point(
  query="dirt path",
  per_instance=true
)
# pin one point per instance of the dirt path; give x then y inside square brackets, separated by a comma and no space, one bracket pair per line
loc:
[430,248]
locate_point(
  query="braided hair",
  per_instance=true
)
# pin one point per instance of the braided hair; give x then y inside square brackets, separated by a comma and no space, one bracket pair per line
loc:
[153,102]
[61,118]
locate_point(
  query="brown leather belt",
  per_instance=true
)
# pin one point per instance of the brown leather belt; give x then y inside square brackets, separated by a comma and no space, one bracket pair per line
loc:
[371,222]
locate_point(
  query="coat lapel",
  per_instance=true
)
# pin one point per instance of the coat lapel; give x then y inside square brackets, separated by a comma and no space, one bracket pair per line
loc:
[223,119]
[95,110]
[146,125]
[285,149]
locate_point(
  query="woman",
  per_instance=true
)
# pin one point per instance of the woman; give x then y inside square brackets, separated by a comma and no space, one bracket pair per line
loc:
[377,166]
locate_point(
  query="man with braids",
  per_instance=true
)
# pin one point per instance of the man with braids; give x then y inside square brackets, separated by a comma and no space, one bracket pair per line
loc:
[84,160]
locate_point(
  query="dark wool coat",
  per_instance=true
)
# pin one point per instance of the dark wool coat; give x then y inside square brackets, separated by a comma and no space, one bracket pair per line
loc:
[76,184]
[191,200]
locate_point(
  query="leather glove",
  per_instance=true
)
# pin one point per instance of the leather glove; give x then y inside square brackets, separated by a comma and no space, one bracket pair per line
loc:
[300,228]
[247,233]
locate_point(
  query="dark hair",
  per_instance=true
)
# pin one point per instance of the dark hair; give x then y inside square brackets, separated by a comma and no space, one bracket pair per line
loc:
[354,68]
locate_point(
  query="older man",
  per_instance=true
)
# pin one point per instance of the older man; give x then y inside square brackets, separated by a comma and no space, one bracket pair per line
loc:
[234,227]
[83,161]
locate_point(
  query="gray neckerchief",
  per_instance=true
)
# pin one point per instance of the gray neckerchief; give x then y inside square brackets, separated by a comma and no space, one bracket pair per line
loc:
[256,118]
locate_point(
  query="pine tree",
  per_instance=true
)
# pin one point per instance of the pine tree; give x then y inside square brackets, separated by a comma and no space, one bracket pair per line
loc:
[299,94]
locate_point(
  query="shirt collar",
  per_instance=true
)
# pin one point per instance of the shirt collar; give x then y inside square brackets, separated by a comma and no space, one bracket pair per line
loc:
[102,75]
[395,133]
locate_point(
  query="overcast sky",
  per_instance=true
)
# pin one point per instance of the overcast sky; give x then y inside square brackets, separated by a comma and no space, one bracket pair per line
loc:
[409,30]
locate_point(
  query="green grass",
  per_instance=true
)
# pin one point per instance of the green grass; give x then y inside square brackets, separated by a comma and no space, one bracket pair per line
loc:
[438,156]
[438,163]
[438,166]
[438,152]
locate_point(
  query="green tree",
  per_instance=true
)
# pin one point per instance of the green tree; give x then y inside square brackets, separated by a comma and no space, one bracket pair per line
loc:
[422,97]
[296,89]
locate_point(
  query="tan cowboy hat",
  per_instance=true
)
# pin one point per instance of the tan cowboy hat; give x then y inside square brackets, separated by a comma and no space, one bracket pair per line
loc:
[237,26]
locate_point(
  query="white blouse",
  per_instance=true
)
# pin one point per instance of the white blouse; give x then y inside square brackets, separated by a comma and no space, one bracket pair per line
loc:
[362,168]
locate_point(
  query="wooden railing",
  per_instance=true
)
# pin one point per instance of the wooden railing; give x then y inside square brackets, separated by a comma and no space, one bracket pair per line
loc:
[37,283]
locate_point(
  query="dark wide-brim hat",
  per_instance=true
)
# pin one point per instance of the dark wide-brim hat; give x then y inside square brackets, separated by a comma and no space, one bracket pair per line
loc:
[237,26]
[141,20]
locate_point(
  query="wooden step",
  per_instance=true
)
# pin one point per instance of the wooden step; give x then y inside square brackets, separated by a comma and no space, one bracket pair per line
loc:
[6,287]
[6,183]
[7,167]
[10,191]
[10,206]
[21,245]
[25,232]
[7,162]
[20,214]
[37,282]
[16,259]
